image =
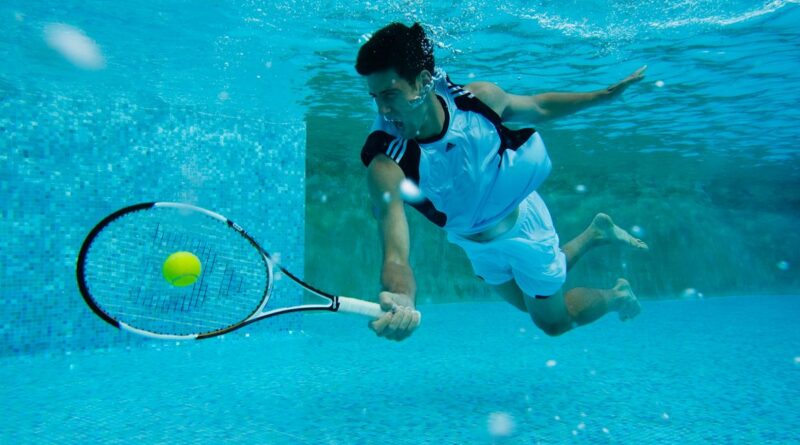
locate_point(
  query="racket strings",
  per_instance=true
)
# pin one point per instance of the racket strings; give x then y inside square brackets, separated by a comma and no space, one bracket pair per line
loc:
[124,276]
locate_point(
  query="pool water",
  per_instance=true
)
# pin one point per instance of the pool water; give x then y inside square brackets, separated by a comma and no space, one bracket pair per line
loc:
[253,109]
[684,372]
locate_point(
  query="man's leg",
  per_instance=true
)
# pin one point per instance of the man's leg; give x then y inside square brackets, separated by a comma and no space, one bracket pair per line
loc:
[561,312]
[601,231]
[580,306]
[512,294]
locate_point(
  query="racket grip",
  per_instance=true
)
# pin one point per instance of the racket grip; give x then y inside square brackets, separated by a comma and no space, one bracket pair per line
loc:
[360,307]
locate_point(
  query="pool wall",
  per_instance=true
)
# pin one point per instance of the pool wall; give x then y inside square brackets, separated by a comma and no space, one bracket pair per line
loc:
[69,159]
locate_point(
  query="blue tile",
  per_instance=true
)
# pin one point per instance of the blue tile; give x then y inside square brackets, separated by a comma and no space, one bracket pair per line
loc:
[71,161]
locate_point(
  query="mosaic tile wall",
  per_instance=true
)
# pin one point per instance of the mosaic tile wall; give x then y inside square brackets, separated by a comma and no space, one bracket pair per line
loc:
[66,162]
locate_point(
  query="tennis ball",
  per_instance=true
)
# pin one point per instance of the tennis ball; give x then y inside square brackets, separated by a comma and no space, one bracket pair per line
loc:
[181,269]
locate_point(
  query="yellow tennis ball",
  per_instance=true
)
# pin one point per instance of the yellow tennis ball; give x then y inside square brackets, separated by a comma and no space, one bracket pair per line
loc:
[181,269]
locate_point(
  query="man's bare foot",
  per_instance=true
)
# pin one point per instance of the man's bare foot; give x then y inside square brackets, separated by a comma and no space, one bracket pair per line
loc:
[608,232]
[626,302]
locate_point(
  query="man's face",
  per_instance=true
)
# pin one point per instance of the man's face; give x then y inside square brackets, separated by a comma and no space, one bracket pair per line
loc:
[392,94]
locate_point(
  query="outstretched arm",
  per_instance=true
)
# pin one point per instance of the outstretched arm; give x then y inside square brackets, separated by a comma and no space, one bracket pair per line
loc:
[397,279]
[546,106]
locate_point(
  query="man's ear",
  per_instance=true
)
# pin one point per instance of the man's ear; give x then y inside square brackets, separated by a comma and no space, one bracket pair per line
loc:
[424,78]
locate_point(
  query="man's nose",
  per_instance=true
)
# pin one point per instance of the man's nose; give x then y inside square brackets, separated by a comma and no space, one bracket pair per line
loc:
[383,108]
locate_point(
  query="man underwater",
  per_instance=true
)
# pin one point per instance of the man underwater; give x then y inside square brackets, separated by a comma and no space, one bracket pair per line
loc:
[478,182]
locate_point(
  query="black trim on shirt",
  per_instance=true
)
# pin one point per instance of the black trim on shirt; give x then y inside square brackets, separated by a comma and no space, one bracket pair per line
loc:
[445,127]
[381,142]
[509,139]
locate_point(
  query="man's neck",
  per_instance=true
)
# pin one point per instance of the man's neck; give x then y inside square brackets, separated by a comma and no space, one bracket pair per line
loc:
[434,119]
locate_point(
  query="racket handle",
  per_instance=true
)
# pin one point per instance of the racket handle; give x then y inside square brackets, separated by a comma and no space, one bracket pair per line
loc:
[361,307]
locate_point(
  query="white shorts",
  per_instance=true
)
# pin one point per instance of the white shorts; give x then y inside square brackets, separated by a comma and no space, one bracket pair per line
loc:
[528,253]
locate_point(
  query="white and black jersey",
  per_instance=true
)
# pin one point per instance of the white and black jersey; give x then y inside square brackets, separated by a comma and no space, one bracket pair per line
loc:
[475,172]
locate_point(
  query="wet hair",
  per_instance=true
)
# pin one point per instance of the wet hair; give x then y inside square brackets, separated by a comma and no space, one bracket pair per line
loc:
[396,46]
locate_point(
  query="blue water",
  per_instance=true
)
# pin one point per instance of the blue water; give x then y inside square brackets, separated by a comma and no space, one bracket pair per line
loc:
[684,372]
[193,98]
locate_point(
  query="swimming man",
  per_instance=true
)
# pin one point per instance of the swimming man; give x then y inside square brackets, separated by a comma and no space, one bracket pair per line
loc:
[478,182]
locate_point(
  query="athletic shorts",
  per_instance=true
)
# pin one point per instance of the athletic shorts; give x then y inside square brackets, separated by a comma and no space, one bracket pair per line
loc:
[528,253]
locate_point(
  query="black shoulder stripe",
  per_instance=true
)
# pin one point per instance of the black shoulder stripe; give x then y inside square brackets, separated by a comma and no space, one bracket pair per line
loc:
[377,143]
[509,139]
[405,152]
[513,139]
[408,157]
[468,102]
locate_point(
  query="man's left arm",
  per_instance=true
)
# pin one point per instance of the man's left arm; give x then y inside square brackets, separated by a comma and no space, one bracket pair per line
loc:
[546,106]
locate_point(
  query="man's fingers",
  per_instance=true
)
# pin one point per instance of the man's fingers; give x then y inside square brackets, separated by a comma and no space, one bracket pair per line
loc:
[397,319]
[387,325]
[637,75]
[379,325]
[416,319]
[403,323]
[397,324]
[400,318]
[392,330]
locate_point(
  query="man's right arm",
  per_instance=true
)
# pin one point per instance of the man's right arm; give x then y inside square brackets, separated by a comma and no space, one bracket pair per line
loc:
[397,279]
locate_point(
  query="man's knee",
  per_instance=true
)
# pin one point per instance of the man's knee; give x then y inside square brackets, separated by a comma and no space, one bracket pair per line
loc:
[553,329]
[550,314]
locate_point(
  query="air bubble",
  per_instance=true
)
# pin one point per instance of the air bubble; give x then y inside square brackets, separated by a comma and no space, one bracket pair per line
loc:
[410,192]
[500,424]
[74,46]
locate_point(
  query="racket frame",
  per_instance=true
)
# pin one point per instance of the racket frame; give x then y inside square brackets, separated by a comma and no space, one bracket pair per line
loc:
[337,302]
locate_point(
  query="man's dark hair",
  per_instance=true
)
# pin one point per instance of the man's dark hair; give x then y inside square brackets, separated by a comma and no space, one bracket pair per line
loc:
[396,46]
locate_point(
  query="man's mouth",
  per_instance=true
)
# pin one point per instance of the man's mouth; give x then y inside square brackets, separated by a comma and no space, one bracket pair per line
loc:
[398,124]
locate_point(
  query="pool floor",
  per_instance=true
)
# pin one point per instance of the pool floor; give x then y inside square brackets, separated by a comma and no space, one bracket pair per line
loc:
[721,370]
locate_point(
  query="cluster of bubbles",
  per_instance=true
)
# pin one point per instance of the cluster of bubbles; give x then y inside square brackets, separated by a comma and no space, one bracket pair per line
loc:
[408,191]
[364,38]
[581,426]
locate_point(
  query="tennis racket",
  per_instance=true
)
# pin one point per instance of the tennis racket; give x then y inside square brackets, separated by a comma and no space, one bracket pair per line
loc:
[119,274]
